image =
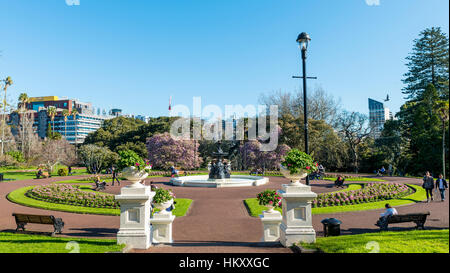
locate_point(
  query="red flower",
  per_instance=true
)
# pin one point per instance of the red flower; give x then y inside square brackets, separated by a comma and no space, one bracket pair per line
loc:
[308,167]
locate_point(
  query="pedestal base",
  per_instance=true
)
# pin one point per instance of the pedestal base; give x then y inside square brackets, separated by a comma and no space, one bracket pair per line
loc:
[162,228]
[289,236]
[271,226]
[135,216]
[297,221]
[137,240]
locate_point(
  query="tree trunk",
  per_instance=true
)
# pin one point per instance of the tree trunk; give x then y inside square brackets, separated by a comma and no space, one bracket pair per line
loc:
[443,148]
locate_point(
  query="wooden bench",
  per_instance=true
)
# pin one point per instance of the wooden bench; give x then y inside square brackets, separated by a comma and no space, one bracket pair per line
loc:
[23,219]
[100,186]
[418,218]
[43,175]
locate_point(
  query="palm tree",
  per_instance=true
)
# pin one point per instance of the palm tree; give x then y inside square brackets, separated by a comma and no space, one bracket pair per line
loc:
[51,111]
[7,83]
[74,115]
[65,113]
[23,100]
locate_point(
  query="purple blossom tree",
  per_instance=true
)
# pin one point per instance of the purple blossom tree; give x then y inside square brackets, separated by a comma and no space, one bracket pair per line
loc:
[254,158]
[164,152]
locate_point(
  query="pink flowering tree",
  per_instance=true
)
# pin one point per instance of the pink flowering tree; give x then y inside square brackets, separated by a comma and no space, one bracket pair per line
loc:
[165,151]
[254,158]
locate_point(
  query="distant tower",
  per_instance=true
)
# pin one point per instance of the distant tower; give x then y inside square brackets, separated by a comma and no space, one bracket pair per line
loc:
[378,115]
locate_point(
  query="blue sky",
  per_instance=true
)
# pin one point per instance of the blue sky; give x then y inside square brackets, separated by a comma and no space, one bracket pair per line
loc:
[134,54]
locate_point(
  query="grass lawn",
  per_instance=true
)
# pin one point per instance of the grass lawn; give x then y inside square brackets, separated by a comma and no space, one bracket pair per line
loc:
[416,241]
[255,209]
[18,196]
[24,243]
[18,174]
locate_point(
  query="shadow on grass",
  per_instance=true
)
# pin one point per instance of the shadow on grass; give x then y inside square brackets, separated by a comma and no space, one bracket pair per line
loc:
[92,232]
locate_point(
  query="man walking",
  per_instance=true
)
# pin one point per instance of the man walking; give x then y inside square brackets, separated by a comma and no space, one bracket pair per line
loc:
[441,184]
[114,176]
[428,185]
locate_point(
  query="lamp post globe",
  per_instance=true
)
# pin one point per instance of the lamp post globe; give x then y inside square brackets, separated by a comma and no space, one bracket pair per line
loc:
[303,39]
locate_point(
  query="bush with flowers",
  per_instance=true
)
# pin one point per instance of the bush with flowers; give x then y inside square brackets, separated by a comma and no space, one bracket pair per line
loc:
[129,158]
[297,161]
[269,198]
[162,196]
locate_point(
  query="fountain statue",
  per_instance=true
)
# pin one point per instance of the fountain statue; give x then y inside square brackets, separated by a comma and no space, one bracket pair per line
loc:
[220,173]
[218,168]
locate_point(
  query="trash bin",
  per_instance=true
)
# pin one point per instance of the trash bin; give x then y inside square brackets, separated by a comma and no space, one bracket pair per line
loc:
[331,227]
[1,177]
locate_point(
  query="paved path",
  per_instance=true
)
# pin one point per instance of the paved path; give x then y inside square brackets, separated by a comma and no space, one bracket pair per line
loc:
[218,221]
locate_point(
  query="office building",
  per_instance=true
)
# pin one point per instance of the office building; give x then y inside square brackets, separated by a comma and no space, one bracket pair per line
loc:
[378,115]
[74,130]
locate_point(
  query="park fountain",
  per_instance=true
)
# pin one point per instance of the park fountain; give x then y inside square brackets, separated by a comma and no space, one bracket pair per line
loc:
[219,174]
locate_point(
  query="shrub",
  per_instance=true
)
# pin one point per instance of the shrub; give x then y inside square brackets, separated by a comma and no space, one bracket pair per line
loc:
[17,155]
[163,196]
[269,198]
[63,172]
[129,158]
[296,161]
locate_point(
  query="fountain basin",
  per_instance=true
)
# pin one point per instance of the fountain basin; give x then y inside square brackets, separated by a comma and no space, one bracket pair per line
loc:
[234,181]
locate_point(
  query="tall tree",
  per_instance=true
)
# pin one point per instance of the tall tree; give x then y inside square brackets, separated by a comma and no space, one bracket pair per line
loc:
[24,130]
[6,83]
[421,126]
[443,111]
[52,112]
[428,64]
[65,114]
[74,114]
[354,128]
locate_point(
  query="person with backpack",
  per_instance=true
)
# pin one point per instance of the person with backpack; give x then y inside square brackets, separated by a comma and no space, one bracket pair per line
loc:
[428,185]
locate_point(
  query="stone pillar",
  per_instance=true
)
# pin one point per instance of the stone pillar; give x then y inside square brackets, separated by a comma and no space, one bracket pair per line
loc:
[162,227]
[271,226]
[297,221]
[135,207]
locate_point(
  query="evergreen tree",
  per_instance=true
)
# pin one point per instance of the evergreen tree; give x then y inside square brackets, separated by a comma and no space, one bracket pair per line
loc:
[428,64]
[48,134]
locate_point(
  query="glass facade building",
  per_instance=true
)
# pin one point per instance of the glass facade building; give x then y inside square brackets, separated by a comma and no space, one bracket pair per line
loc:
[378,115]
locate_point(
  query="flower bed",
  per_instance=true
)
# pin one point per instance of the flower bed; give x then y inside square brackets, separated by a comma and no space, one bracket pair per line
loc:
[371,192]
[72,195]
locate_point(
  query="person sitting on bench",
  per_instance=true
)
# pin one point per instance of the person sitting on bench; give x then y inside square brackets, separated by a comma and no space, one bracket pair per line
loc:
[385,216]
[99,185]
[339,182]
[39,173]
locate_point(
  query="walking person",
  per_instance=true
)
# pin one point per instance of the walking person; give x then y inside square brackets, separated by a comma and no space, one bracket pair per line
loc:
[441,184]
[114,176]
[428,185]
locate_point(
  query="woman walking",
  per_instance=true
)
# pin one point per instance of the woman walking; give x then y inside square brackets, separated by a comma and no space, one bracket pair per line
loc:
[428,185]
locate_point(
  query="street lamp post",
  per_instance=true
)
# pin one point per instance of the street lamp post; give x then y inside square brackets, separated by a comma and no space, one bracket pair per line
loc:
[303,40]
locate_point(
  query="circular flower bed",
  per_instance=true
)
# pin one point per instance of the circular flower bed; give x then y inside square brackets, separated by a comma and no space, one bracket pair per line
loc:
[72,195]
[371,192]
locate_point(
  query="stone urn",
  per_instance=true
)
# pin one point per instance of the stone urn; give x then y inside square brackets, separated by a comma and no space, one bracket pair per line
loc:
[163,206]
[270,209]
[295,177]
[134,175]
